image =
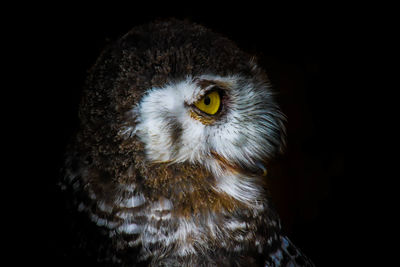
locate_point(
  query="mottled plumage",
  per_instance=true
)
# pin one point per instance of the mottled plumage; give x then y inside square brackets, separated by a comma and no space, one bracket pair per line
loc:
[152,179]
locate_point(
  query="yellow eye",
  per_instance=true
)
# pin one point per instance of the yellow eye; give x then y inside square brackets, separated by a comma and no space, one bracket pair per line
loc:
[209,103]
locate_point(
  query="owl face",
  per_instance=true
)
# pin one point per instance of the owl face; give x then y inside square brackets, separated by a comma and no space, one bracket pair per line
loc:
[230,125]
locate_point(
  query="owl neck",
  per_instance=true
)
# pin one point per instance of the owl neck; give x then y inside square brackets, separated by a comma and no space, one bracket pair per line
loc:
[196,189]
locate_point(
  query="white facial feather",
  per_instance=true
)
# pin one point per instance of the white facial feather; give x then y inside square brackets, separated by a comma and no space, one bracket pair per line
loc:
[154,130]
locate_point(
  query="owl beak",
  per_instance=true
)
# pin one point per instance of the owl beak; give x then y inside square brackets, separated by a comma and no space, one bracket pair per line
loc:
[263,170]
[258,168]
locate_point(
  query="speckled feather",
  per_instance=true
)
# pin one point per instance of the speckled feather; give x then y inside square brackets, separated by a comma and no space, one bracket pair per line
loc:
[128,208]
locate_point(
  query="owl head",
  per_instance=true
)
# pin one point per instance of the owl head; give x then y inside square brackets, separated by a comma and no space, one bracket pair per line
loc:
[211,119]
[188,95]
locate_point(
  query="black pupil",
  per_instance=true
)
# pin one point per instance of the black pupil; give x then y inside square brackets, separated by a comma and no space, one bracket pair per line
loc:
[207,100]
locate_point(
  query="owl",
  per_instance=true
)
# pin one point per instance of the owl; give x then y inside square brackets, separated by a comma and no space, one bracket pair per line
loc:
[177,128]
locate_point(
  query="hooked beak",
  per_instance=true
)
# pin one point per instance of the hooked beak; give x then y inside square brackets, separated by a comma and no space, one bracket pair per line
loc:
[259,169]
[263,169]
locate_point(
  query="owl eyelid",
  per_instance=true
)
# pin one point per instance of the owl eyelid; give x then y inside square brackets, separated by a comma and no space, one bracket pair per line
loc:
[212,89]
[206,91]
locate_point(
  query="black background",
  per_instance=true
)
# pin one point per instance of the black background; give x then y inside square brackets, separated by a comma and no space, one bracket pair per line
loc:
[311,54]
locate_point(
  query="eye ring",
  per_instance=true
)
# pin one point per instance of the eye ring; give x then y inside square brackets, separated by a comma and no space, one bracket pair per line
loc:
[210,103]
